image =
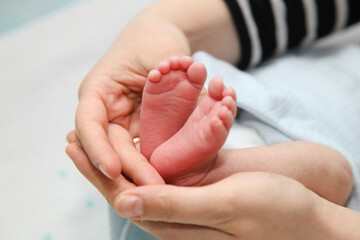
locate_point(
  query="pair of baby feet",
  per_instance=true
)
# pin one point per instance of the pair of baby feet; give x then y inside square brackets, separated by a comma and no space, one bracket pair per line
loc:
[180,137]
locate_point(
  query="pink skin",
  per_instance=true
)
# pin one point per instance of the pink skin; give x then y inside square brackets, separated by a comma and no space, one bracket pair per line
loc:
[183,142]
[170,96]
[187,157]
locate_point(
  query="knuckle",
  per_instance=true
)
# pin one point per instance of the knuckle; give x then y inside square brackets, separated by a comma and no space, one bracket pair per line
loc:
[77,135]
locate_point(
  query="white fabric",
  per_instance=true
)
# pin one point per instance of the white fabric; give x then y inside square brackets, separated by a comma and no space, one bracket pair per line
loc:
[311,21]
[253,33]
[281,27]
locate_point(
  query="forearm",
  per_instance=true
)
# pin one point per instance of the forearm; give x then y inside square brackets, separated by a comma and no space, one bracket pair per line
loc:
[336,222]
[207,25]
[172,27]
[319,168]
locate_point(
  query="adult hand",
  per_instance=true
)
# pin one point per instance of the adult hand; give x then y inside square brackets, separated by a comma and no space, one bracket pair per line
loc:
[249,205]
[110,95]
[107,119]
[108,113]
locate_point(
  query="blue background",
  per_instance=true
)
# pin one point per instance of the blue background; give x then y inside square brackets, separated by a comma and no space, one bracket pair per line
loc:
[15,13]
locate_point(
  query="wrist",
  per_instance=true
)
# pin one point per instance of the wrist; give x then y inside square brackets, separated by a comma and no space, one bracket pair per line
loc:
[203,24]
[150,40]
[139,48]
[336,222]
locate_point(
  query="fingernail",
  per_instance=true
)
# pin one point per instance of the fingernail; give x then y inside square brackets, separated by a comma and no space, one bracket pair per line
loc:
[102,169]
[130,206]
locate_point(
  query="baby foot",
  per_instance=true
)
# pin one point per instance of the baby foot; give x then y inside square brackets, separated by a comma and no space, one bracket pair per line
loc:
[188,156]
[170,96]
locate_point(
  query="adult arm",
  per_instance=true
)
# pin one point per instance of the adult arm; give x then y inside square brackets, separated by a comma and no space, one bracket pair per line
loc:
[320,168]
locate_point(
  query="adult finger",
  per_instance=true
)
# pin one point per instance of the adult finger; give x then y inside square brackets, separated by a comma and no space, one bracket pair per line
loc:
[175,231]
[108,188]
[91,129]
[134,164]
[210,205]
[71,137]
[112,188]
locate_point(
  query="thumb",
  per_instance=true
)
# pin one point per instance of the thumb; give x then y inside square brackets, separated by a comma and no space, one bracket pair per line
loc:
[207,206]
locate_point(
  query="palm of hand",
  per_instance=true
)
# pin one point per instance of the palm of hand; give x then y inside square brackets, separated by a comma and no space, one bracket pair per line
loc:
[108,114]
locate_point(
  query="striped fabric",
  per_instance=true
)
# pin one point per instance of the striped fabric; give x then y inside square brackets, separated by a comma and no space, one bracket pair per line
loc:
[267,28]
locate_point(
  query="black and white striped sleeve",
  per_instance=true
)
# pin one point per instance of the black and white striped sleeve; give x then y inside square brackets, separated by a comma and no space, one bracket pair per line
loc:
[267,28]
